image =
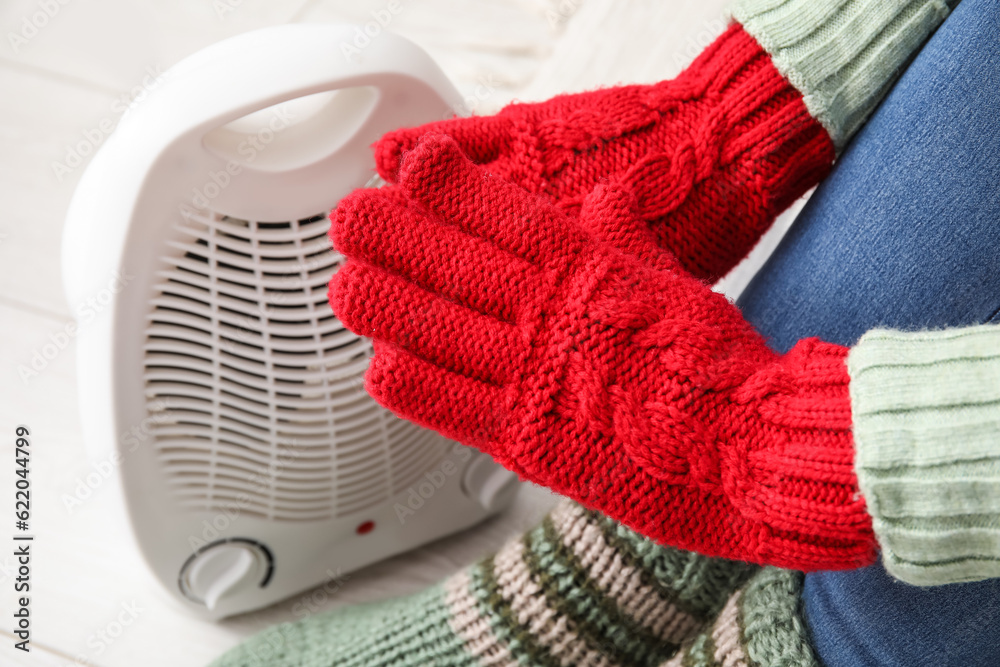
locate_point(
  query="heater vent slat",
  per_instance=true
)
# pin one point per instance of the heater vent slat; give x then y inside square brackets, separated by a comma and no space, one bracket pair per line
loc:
[254,388]
[286,298]
[275,252]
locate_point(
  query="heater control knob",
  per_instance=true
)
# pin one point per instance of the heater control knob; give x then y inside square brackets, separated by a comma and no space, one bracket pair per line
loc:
[489,483]
[222,569]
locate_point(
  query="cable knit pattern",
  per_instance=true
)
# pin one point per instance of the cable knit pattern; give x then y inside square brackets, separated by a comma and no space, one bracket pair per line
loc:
[843,55]
[630,387]
[539,601]
[928,456]
[717,153]
[713,155]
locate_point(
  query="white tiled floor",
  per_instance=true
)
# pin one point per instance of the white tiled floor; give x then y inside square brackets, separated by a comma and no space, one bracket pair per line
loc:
[63,65]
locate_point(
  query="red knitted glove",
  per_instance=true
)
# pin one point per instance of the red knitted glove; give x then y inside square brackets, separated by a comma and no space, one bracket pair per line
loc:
[630,387]
[713,155]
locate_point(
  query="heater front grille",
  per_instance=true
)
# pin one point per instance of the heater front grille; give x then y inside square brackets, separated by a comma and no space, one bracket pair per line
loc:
[261,385]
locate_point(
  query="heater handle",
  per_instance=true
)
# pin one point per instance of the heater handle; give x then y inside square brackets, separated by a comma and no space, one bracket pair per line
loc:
[384,81]
[174,123]
[257,113]
[262,68]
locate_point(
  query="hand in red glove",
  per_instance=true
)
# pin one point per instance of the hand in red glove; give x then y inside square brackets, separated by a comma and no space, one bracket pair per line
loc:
[627,385]
[713,155]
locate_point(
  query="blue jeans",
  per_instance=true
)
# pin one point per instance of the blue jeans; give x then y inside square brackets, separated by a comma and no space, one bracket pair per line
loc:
[904,234]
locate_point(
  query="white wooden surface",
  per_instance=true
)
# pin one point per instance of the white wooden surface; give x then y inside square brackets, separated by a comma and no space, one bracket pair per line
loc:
[60,82]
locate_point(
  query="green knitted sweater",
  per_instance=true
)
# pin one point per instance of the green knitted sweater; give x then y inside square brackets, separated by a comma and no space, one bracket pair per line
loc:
[927,433]
[842,55]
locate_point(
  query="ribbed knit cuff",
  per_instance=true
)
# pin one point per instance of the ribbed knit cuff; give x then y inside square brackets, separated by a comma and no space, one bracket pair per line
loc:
[926,410]
[759,146]
[803,484]
[842,55]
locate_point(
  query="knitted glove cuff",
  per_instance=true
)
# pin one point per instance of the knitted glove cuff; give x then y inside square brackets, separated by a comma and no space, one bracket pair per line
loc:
[730,103]
[758,133]
[928,455]
[802,483]
[841,54]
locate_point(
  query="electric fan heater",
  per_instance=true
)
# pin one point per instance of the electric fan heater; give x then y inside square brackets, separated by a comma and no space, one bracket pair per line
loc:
[252,463]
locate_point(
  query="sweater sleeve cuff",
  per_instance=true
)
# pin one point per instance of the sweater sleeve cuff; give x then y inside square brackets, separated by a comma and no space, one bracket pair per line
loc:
[842,55]
[926,411]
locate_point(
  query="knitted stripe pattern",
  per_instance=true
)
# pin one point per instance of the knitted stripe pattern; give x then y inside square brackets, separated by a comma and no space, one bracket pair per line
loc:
[578,590]
[843,55]
[761,625]
[928,456]
[713,155]
[632,388]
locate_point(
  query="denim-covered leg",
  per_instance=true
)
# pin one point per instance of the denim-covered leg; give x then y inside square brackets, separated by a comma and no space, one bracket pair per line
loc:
[904,234]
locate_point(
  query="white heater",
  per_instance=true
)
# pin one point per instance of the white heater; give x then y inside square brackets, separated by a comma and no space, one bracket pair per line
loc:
[253,464]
